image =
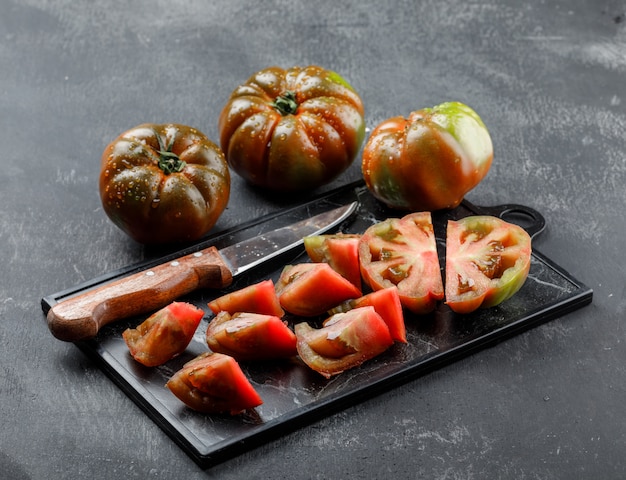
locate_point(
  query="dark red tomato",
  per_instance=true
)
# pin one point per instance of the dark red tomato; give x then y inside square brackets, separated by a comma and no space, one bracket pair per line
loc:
[258,298]
[251,336]
[310,289]
[164,334]
[428,161]
[340,251]
[164,183]
[214,383]
[387,304]
[345,341]
[403,252]
[487,262]
[292,129]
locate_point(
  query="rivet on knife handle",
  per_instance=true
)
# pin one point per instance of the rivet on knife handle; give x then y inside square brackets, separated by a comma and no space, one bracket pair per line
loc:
[81,317]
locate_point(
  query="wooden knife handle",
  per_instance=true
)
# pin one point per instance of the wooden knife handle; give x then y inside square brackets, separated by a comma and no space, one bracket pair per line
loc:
[82,316]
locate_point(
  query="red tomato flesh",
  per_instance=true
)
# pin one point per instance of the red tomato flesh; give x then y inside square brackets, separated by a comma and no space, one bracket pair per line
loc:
[487,261]
[164,334]
[387,304]
[214,383]
[251,336]
[403,252]
[310,289]
[258,298]
[345,341]
[340,251]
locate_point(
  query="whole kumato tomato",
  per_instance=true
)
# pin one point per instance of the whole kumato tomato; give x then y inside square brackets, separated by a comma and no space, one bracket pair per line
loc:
[292,129]
[164,183]
[428,161]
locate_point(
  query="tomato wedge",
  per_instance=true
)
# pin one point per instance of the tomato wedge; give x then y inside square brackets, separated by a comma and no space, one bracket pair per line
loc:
[310,289]
[214,383]
[345,341]
[164,334]
[403,252]
[258,298]
[340,251]
[487,261]
[251,336]
[387,304]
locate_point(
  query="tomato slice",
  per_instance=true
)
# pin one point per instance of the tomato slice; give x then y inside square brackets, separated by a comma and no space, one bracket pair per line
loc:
[340,251]
[214,383]
[387,304]
[310,289]
[258,298]
[345,341]
[487,261]
[164,334]
[251,336]
[403,252]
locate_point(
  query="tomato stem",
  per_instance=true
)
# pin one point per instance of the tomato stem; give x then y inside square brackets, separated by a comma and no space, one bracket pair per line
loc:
[169,162]
[286,103]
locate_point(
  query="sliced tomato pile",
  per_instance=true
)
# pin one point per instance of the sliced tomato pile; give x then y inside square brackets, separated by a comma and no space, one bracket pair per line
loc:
[346,306]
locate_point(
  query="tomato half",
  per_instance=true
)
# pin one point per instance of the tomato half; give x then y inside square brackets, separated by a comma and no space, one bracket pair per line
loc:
[164,334]
[428,161]
[258,298]
[164,183]
[403,252]
[345,341]
[340,251]
[387,304]
[487,261]
[310,289]
[251,336]
[214,383]
[292,129]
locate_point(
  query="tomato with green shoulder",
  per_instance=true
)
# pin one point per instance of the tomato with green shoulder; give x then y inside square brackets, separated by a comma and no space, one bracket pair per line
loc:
[487,262]
[429,160]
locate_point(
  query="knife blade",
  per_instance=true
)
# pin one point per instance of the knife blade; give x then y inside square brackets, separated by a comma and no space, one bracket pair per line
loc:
[80,317]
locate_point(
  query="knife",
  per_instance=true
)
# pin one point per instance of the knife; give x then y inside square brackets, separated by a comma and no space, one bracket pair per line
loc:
[80,317]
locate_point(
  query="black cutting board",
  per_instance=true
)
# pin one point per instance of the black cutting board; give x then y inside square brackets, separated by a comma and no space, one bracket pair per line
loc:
[294,395]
